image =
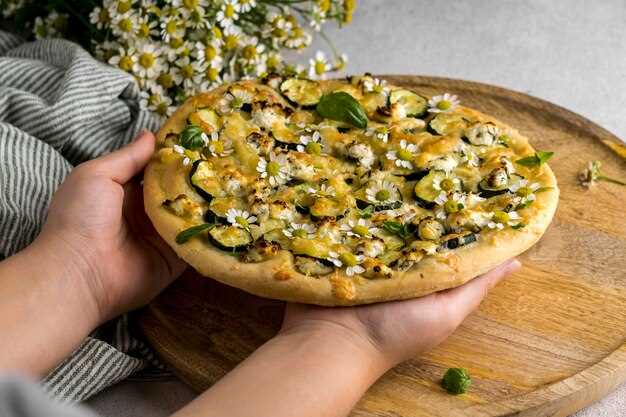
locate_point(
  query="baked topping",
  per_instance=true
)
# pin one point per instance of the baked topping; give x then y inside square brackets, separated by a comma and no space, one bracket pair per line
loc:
[357,176]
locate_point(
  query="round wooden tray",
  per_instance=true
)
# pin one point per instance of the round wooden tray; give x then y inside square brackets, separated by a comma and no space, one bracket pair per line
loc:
[546,342]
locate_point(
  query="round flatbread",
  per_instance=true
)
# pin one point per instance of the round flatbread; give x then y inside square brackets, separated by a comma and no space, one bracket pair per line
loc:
[343,192]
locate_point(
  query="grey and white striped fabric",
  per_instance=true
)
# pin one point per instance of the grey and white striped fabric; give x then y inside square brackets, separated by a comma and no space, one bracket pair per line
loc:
[59,107]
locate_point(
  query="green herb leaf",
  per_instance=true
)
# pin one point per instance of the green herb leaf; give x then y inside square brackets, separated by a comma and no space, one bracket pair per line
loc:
[518,226]
[456,381]
[191,137]
[542,189]
[187,234]
[537,159]
[366,213]
[397,228]
[342,107]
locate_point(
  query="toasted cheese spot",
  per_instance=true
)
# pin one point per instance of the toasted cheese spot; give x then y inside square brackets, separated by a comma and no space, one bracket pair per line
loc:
[450,259]
[283,275]
[343,288]
[184,207]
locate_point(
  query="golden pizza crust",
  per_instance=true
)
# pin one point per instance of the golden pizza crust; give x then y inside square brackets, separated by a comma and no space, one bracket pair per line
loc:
[165,178]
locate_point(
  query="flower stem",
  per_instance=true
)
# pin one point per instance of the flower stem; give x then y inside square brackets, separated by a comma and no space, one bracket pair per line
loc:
[607,179]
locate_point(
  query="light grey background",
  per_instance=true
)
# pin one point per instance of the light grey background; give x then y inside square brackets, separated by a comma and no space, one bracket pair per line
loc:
[570,52]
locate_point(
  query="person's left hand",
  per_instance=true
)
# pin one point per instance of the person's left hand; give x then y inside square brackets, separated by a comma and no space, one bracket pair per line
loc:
[97,225]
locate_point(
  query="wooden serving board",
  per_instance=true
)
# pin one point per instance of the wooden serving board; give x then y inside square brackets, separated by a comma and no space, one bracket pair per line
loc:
[546,342]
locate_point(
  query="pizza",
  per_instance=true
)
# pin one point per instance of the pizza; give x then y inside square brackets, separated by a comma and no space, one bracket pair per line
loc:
[343,192]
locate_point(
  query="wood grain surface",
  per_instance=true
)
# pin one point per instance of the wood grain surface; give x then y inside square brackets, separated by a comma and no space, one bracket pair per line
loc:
[548,341]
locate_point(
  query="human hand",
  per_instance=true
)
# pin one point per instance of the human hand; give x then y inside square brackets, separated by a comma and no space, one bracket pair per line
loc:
[97,226]
[398,330]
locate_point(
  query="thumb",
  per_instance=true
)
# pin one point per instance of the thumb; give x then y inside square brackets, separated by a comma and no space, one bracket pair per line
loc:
[128,161]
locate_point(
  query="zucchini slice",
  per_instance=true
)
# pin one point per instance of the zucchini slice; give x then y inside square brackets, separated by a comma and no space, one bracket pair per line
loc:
[445,123]
[301,92]
[206,118]
[425,192]
[205,180]
[230,238]
[285,137]
[312,267]
[495,183]
[414,104]
[220,205]
[329,207]
[453,241]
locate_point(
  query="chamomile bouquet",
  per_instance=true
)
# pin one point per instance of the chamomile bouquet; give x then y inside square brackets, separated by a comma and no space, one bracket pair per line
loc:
[176,48]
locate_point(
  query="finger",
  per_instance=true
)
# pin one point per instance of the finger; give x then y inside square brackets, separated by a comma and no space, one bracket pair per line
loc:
[128,161]
[461,301]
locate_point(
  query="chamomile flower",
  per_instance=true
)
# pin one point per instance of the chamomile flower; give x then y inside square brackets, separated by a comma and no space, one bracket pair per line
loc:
[228,14]
[310,143]
[379,132]
[352,263]
[341,62]
[363,154]
[446,183]
[361,228]
[180,150]
[246,5]
[526,190]
[324,190]
[402,157]
[276,170]
[124,59]
[172,27]
[252,50]
[240,218]
[190,72]
[209,52]
[375,85]
[124,25]
[318,66]
[469,157]
[443,103]
[318,17]
[448,203]
[301,230]
[382,192]
[149,62]
[501,219]
[218,147]
[233,100]
[446,163]
[333,257]
[100,17]
[156,100]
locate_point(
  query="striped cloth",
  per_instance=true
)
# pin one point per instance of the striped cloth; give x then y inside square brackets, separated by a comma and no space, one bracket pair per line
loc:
[59,107]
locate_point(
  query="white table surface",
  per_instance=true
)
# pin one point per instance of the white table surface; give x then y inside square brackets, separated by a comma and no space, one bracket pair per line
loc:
[569,52]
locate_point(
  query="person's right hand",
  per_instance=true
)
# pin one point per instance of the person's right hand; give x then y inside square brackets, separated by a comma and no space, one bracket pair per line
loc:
[401,329]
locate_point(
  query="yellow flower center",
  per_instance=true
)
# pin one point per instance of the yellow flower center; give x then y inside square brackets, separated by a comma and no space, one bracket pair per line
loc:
[217,32]
[186,71]
[348,9]
[313,148]
[299,233]
[348,259]
[273,62]
[501,217]
[242,222]
[218,147]
[171,26]
[41,31]
[165,80]
[524,191]
[212,74]
[229,11]
[278,33]
[161,108]
[404,155]
[210,52]
[451,206]
[176,43]
[146,60]
[126,63]
[154,99]
[324,5]
[382,195]
[125,25]
[360,230]
[320,67]
[123,6]
[143,31]
[230,42]
[190,4]
[104,16]
[444,104]
[249,52]
[446,184]
[273,168]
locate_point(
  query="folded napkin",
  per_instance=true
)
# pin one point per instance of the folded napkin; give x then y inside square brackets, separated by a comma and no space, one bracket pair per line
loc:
[59,107]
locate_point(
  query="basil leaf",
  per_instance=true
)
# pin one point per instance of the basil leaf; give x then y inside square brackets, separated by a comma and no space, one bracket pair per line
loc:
[187,234]
[191,137]
[537,159]
[366,213]
[396,228]
[518,226]
[342,107]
